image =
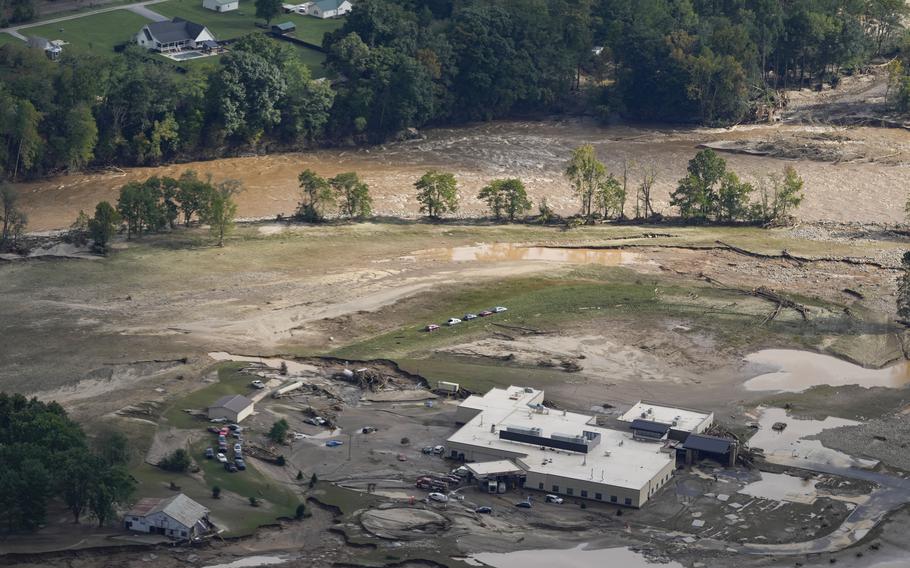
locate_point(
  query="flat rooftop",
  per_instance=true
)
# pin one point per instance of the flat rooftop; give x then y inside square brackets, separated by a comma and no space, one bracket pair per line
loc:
[686,420]
[505,399]
[617,460]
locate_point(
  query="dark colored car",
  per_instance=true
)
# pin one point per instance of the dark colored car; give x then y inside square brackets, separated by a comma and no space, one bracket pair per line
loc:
[209,453]
[240,464]
[484,510]
[524,504]
[485,313]
[230,467]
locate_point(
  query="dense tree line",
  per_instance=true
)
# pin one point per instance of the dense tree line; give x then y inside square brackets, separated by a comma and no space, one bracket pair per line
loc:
[46,456]
[409,63]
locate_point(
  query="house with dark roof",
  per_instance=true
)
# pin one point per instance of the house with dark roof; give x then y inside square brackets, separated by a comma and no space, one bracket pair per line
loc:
[52,49]
[328,8]
[174,35]
[177,517]
[233,407]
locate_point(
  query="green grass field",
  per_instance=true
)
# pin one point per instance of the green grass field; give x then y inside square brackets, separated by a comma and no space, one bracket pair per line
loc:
[230,381]
[7,39]
[98,33]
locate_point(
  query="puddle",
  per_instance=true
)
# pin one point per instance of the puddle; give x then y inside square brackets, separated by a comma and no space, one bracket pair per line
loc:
[782,487]
[790,442]
[250,561]
[271,362]
[577,557]
[796,371]
[508,252]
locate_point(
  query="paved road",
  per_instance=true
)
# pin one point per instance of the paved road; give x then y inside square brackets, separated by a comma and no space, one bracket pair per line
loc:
[15,31]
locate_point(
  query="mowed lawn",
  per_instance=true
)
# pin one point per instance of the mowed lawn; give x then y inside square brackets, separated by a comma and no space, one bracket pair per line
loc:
[98,33]
[6,38]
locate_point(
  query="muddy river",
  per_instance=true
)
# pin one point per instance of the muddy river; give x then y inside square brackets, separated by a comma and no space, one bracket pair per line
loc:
[868,184]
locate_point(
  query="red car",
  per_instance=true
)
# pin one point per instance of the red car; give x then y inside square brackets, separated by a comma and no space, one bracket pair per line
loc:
[432,327]
[485,313]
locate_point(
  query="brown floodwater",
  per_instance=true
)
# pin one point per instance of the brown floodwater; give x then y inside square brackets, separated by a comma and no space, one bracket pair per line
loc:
[795,371]
[536,152]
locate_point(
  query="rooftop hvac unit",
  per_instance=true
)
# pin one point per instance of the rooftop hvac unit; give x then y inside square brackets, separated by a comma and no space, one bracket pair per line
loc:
[529,390]
[569,438]
[534,431]
[650,411]
[644,414]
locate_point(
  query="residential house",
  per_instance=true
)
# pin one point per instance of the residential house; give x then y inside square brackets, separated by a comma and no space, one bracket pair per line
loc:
[221,5]
[175,35]
[177,517]
[329,8]
[52,49]
[231,407]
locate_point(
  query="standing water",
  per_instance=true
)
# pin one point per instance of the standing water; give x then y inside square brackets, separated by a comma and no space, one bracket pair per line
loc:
[796,371]
[577,557]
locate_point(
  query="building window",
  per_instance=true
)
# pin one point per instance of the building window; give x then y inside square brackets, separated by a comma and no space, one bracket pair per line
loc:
[598,496]
[570,491]
[540,485]
[628,501]
[555,489]
[584,492]
[612,498]
[182,533]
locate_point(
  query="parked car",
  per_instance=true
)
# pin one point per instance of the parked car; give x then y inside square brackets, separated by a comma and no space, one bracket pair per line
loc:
[257,384]
[334,443]
[241,465]
[499,309]
[439,450]
[235,427]
[427,450]
[221,457]
[368,429]
[554,499]
[238,449]
[485,313]
[237,435]
[298,436]
[218,420]
[484,510]
[460,471]
[440,497]
[523,504]
[432,327]
[230,467]
[209,453]
[469,317]
[453,321]
[402,458]
[315,420]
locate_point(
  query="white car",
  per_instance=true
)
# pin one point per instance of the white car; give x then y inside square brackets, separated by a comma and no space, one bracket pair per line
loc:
[499,309]
[221,457]
[453,321]
[257,384]
[238,449]
[441,497]
[554,499]
[299,436]
[460,471]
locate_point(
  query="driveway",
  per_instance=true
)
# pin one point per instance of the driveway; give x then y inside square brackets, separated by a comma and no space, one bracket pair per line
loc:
[15,31]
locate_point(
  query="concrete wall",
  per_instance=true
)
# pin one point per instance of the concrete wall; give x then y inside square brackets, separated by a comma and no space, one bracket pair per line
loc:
[464,414]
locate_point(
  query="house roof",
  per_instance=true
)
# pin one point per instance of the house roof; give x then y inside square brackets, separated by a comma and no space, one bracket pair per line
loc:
[650,426]
[285,26]
[179,507]
[38,41]
[328,4]
[233,402]
[710,444]
[176,30]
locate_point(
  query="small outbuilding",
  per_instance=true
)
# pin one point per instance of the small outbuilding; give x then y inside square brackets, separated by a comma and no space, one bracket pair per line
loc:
[177,517]
[283,28]
[233,407]
[221,5]
[700,447]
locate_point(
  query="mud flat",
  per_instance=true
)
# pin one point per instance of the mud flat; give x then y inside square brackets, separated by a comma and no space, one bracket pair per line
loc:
[578,557]
[796,371]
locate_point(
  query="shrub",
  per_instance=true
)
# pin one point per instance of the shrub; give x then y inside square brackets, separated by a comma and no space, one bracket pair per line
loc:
[216,492]
[178,461]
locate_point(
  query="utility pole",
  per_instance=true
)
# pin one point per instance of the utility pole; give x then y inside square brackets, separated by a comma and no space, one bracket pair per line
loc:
[350,443]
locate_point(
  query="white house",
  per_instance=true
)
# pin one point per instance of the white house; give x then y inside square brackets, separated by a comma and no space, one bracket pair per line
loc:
[231,407]
[221,5]
[177,517]
[175,35]
[328,8]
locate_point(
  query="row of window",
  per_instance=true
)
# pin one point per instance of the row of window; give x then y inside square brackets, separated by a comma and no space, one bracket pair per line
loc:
[584,493]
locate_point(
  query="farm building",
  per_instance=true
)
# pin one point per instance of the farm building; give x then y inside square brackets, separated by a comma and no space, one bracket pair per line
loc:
[175,35]
[328,8]
[221,5]
[177,517]
[560,452]
[233,407]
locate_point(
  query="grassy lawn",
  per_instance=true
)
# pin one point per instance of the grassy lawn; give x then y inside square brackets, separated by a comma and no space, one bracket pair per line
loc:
[230,381]
[6,39]
[98,33]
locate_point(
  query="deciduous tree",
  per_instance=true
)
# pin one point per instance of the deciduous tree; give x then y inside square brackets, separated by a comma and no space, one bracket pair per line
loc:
[437,193]
[586,174]
[221,210]
[316,196]
[354,195]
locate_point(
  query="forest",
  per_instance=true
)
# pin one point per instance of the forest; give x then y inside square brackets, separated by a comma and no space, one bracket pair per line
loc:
[400,64]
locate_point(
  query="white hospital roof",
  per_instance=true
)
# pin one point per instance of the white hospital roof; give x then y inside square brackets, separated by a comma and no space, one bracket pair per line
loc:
[508,398]
[630,463]
[686,420]
[481,469]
